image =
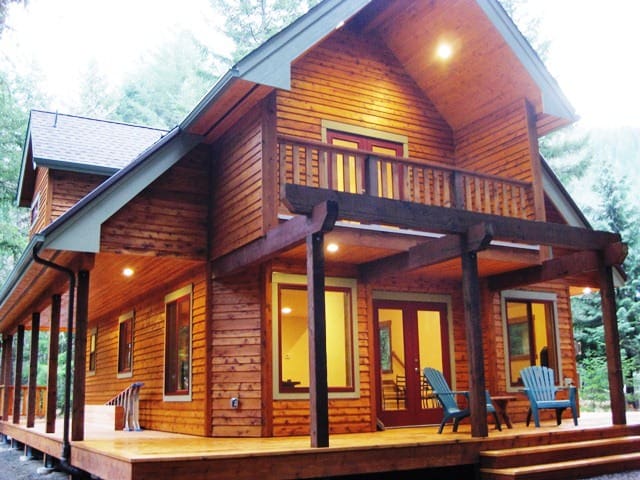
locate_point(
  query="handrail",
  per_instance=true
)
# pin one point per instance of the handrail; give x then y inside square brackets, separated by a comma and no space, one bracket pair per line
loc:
[129,399]
[41,393]
[316,164]
[435,165]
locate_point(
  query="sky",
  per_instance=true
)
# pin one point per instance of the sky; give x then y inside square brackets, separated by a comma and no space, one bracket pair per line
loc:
[593,45]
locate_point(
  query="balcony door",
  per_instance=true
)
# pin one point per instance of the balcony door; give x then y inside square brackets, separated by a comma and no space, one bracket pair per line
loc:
[344,178]
[411,336]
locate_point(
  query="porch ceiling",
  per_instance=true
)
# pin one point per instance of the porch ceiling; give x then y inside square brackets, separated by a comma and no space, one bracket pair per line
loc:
[108,287]
[358,247]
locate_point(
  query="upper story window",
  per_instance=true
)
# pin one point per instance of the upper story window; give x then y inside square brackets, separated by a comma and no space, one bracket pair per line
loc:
[291,336]
[35,209]
[125,345]
[177,371]
[530,332]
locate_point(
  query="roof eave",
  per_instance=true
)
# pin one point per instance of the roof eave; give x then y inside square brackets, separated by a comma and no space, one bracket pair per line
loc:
[270,63]
[554,102]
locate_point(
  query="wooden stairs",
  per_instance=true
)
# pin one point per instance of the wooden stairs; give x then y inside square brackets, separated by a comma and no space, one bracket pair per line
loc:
[581,459]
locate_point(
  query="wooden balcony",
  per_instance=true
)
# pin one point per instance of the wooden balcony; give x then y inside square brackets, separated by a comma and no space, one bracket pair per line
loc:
[316,164]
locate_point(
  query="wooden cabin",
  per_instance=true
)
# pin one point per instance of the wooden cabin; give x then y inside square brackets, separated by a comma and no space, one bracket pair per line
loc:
[345,207]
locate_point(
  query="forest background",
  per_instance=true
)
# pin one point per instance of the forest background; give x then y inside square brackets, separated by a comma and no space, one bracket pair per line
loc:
[600,167]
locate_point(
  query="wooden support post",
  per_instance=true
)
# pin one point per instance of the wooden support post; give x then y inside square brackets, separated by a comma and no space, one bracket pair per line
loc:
[473,328]
[457,186]
[612,344]
[318,385]
[7,370]
[17,381]
[80,356]
[33,370]
[52,371]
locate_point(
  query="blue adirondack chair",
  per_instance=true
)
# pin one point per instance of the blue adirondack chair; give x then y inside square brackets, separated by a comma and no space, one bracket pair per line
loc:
[540,387]
[447,399]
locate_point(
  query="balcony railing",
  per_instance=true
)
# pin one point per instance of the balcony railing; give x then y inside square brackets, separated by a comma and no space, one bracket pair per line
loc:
[41,396]
[316,164]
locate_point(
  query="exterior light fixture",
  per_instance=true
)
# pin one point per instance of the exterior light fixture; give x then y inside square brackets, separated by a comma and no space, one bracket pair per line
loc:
[286,310]
[444,51]
[127,272]
[332,248]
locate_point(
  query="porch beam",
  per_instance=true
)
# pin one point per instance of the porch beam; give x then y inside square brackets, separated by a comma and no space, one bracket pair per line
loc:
[430,253]
[7,370]
[612,342]
[301,199]
[17,381]
[473,329]
[567,265]
[80,356]
[33,370]
[52,370]
[320,217]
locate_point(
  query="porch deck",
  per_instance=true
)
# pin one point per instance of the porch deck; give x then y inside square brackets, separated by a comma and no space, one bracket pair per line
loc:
[113,454]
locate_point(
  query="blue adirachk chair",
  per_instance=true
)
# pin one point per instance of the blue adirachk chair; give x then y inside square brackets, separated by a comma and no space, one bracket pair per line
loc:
[540,387]
[447,399]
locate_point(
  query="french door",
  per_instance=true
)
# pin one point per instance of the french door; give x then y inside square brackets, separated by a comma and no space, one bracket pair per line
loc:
[411,336]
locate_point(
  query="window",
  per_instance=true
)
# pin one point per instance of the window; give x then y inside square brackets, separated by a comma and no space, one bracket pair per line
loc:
[125,345]
[35,209]
[93,341]
[530,332]
[291,339]
[177,374]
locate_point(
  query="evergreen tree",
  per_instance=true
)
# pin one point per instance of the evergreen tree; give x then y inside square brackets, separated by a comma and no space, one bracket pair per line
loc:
[249,23]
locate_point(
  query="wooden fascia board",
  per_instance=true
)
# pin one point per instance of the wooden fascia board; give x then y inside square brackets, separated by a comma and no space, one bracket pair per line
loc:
[438,250]
[565,266]
[27,162]
[554,101]
[300,199]
[283,237]
[79,228]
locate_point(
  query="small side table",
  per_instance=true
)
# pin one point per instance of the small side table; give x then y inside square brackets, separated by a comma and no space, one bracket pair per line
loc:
[500,403]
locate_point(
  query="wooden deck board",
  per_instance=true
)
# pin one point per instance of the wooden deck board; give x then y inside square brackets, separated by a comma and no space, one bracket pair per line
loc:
[146,454]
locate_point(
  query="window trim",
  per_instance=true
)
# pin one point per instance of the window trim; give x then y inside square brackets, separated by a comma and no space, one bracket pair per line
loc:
[532,296]
[93,351]
[278,278]
[129,316]
[169,298]
[364,132]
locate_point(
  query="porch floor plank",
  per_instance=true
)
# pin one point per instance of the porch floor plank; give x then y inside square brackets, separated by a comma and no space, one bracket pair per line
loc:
[135,455]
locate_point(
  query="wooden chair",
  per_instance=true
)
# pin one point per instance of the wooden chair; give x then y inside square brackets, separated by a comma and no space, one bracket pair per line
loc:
[447,399]
[540,387]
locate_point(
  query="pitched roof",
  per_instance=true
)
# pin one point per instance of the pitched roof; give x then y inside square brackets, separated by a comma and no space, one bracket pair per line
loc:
[68,142]
[87,142]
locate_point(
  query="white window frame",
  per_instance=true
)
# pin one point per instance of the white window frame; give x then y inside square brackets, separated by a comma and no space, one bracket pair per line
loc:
[533,296]
[121,319]
[278,278]
[187,397]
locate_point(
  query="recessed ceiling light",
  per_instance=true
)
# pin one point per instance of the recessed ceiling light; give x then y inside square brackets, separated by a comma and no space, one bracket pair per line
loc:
[127,272]
[444,51]
[332,248]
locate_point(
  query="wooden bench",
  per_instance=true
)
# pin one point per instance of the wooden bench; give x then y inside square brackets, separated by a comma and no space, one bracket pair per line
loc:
[110,416]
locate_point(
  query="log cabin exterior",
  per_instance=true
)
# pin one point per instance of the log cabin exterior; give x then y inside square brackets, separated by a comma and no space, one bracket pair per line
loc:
[457,246]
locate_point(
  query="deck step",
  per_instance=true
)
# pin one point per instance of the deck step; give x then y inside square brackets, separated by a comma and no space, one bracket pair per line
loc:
[535,455]
[584,468]
[561,461]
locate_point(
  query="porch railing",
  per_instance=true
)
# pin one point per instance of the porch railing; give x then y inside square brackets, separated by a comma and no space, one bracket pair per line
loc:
[41,398]
[315,164]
